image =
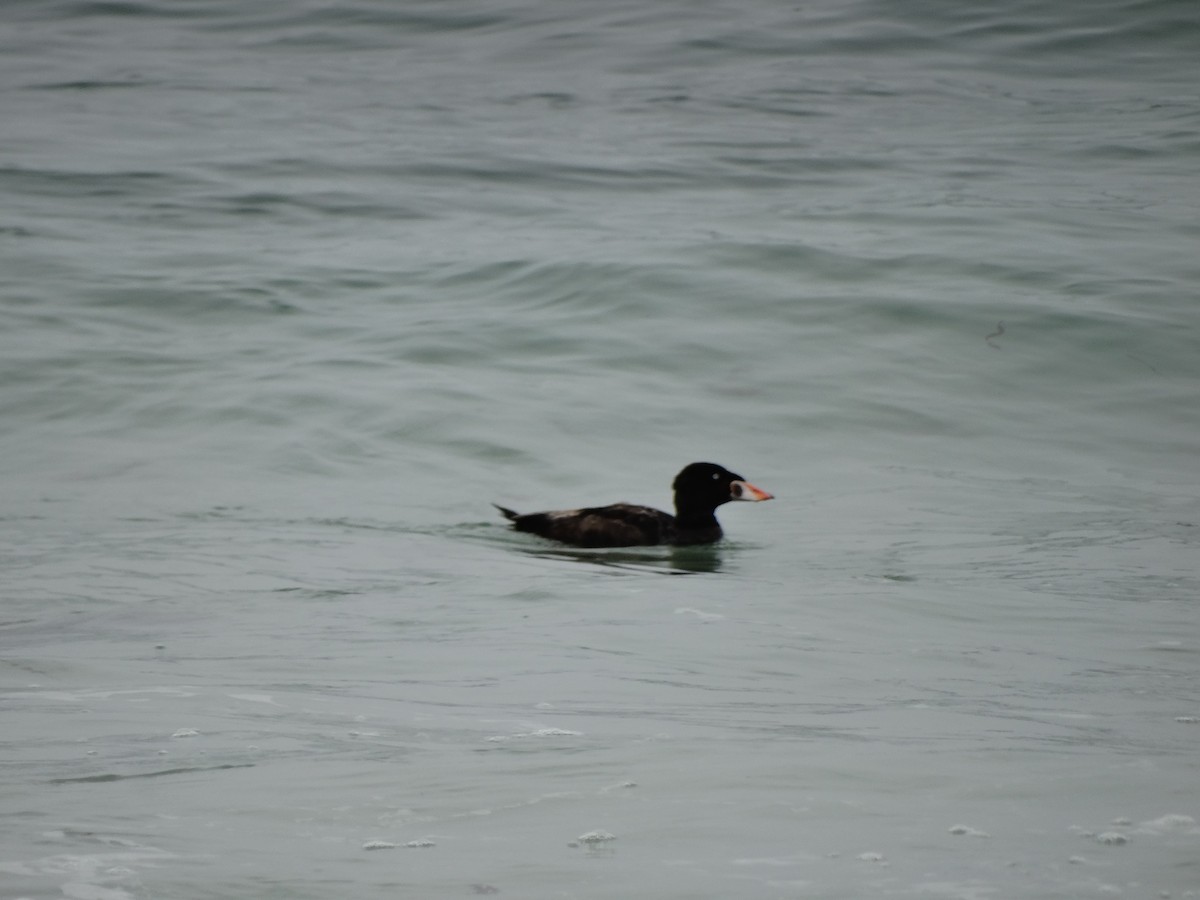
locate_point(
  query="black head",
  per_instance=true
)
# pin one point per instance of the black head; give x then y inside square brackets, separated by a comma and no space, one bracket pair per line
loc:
[704,485]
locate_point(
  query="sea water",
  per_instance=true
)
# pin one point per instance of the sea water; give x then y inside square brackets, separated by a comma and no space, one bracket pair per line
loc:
[290,292]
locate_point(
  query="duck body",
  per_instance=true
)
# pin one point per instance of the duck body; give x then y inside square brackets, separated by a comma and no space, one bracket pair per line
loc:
[699,489]
[615,525]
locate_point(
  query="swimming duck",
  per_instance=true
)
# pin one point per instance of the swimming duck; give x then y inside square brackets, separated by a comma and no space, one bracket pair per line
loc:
[699,489]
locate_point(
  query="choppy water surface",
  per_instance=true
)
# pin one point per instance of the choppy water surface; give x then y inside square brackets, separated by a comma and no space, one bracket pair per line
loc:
[291,291]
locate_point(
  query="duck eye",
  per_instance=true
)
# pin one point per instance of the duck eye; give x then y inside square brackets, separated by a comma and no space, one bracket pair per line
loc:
[716,475]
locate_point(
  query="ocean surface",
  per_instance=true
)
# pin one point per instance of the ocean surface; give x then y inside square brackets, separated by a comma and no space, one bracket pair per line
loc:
[291,292]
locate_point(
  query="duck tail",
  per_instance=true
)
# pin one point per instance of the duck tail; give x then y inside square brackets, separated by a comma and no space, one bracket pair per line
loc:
[506,512]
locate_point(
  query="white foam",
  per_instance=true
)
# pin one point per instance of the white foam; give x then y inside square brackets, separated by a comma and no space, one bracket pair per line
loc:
[956,889]
[1170,822]
[698,613]
[80,891]
[765,861]
[1112,838]
[89,876]
[536,733]
[596,837]
[968,831]
[378,845]
[621,785]
[872,856]
[108,695]
[255,698]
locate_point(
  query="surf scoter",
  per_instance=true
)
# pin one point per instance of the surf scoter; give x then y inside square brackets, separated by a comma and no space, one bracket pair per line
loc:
[699,489]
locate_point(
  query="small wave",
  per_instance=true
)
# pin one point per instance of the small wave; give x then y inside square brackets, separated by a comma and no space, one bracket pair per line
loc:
[184,770]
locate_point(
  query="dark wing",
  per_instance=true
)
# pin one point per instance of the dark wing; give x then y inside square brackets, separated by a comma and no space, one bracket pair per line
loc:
[618,525]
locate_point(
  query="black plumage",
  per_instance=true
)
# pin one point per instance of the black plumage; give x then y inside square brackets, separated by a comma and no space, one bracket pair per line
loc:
[699,489]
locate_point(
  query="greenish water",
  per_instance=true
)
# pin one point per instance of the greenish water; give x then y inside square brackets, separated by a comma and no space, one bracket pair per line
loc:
[291,293]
